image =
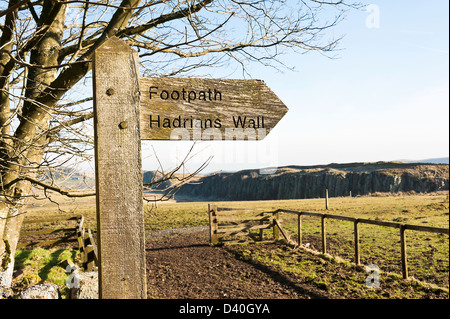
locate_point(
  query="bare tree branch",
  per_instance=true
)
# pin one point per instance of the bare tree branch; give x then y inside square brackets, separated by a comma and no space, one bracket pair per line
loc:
[46,52]
[49,187]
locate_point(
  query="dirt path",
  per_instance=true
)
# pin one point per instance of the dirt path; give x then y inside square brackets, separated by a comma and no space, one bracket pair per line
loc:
[183,265]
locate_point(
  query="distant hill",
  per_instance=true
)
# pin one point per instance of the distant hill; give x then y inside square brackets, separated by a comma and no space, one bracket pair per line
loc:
[155,180]
[68,178]
[439,160]
[296,182]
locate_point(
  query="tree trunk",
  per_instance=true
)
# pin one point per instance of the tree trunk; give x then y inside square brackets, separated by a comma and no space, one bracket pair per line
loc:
[30,136]
[10,240]
[29,145]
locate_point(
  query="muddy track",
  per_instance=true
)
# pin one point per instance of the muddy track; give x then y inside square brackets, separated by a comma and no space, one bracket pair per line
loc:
[183,265]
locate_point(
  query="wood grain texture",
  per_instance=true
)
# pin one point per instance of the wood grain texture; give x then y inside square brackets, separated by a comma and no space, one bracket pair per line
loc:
[299,230]
[224,222]
[120,215]
[324,234]
[356,241]
[403,252]
[207,109]
[212,211]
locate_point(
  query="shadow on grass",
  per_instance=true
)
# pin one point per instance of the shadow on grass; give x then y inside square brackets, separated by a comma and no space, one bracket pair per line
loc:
[20,258]
[303,289]
[53,261]
[24,257]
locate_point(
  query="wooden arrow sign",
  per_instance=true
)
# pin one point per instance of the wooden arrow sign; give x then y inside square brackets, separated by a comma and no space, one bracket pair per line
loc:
[207,109]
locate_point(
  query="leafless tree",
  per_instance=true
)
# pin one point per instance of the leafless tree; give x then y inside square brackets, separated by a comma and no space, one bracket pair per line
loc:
[46,50]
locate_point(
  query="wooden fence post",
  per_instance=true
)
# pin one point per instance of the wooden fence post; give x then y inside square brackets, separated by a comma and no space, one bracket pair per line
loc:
[94,246]
[120,216]
[261,231]
[213,236]
[356,235]
[403,252]
[299,234]
[276,230]
[326,199]
[90,261]
[324,235]
[80,238]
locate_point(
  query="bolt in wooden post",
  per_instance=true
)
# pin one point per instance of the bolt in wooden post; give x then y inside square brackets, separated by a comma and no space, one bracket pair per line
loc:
[213,236]
[299,223]
[326,199]
[403,252]
[324,235]
[118,172]
[356,234]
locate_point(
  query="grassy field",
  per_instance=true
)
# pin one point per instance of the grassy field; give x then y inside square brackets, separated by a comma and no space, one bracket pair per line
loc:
[428,254]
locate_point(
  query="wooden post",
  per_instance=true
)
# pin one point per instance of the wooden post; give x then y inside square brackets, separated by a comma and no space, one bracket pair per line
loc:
[326,199]
[120,216]
[213,236]
[324,235]
[403,252]
[87,251]
[80,238]
[91,252]
[276,230]
[284,233]
[94,246]
[299,223]
[90,261]
[356,234]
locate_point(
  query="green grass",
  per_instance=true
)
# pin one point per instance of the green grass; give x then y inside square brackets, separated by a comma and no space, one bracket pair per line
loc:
[43,266]
[428,253]
[332,276]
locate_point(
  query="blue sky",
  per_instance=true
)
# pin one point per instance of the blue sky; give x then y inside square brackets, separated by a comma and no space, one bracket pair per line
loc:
[385,97]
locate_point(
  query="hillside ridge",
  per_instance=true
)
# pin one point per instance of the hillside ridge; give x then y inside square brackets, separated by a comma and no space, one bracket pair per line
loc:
[296,182]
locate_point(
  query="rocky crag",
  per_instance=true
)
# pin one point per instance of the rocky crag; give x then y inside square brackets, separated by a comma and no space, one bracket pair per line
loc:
[297,182]
[155,180]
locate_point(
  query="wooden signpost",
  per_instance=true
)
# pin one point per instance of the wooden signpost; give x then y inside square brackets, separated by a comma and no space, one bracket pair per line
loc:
[205,109]
[128,109]
[118,173]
